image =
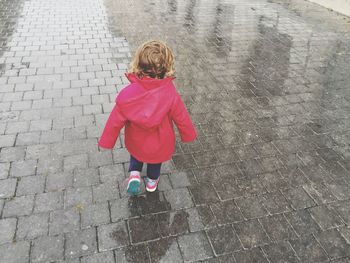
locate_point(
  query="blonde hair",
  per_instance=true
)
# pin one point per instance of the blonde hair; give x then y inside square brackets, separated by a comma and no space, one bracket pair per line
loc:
[153,59]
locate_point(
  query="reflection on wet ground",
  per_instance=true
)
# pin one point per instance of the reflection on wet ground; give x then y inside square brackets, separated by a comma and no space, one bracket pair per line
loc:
[267,85]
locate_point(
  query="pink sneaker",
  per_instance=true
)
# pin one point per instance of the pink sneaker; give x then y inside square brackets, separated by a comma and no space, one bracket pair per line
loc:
[151,185]
[134,182]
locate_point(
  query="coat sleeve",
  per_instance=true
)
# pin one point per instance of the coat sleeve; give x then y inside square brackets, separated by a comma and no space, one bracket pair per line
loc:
[183,120]
[114,124]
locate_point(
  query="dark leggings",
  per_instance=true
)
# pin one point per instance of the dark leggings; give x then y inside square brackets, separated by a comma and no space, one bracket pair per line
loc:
[153,169]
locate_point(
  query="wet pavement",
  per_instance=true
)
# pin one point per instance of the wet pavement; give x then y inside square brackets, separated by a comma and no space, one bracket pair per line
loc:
[267,85]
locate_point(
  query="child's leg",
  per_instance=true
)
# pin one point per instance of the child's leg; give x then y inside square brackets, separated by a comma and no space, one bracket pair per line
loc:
[134,179]
[135,165]
[153,173]
[153,170]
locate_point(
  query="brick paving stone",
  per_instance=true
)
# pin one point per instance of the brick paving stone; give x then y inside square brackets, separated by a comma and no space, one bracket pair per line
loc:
[7,229]
[320,193]
[345,232]
[203,194]
[31,185]
[167,251]
[340,189]
[8,188]
[302,222]
[12,154]
[275,203]
[343,209]
[200,218]
[28,138]
[59,181]
[50,201]
[19,206]
[148,204]
[7,140]
[308,249]
[75,161]
[280,252]
[278,228]
[179,198]
[48,248]
[226,212]
[144,228]
[64,221]
[100,159]
[251,207]
[95,215]
[121,156]
[299,198]
[50,164]
[120,209]
[15,252]
[251,234]
[75,133]
[223,240]
[78,196]
[32,226]
[194,246]
[334,244]
[111,172]
[254,255]
[100,257]
[273,180]
[51,136]
[80,243]
[112,236]
[23,168]
[4,170]
[173,223]
[325,217]
[86,177]
[104,192]
[137,253]
[37,151]
[17,127]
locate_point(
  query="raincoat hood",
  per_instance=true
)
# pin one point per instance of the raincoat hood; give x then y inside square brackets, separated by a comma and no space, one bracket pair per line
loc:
[146,101]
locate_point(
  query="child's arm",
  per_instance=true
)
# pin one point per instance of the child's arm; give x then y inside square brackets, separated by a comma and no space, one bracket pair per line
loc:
[183,120]
[115,122]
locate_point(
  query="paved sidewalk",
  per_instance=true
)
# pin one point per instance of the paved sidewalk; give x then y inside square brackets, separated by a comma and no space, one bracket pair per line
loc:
[267,84]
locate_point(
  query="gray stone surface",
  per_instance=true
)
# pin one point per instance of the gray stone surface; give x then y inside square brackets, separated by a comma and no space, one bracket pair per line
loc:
[179,198]
[32,226]
[95,215]
[80,243]
[112,236]
[8,188]
[23,168]
[19,206]
[120,209]
[7,229]
[49,201]
[47,249]
[15,252]
[31,185]
[99,258]
[195,246]
[64,221]
[266,84]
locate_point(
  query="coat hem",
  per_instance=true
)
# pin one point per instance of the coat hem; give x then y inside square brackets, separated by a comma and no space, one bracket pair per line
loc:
[151,161]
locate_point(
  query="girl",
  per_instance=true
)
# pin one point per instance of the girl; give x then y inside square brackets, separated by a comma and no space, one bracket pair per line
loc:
[147,108]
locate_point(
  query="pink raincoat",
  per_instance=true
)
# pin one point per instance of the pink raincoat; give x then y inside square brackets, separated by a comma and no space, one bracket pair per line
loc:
[148,108]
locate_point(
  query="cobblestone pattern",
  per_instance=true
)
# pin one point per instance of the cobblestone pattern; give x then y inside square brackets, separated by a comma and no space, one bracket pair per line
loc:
[267,86]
